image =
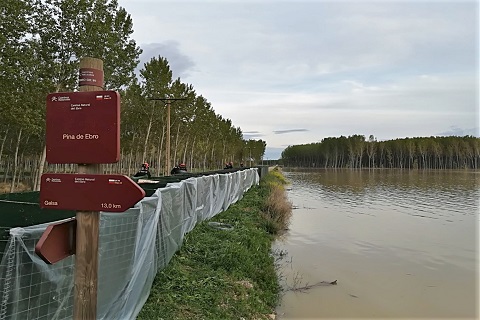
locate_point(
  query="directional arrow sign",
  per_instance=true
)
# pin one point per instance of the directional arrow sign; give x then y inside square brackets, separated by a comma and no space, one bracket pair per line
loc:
[57,242]
[89,192]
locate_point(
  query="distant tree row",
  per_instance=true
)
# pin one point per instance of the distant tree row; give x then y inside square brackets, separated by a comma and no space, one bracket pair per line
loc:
[41,44]
[409,153]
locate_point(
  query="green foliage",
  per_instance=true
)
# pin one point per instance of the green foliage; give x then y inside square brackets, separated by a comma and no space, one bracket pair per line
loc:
[41,44]
[157,78]
[274,177]
[67,30]
[276,209]
[409,153]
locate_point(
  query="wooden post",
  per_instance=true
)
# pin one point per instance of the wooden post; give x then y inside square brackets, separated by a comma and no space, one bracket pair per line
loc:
[88,223]
[167,155]
[168,102]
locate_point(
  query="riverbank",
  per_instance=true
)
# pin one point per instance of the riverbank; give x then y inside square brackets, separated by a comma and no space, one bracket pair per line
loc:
[225,268]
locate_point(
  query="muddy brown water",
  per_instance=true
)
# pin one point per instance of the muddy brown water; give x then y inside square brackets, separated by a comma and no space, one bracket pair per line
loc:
[401,244]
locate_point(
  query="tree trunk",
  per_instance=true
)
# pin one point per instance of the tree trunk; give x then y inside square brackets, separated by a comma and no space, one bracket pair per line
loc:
[21,171]
[224,157]
[184,158]
[161,152]
[3,144]
[191,154]
[7,170]
[15,158]
[41,168]
[144,156]
[213,151]
[175,161]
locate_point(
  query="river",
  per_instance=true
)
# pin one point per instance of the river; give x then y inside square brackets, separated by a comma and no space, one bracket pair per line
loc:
[401,244]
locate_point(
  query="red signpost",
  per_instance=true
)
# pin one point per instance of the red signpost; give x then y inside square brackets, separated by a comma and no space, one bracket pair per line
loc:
[57,242]
[89,192]
[90,77]
[83,127]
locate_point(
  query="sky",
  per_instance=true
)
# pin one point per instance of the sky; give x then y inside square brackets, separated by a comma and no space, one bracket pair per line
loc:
[295,72]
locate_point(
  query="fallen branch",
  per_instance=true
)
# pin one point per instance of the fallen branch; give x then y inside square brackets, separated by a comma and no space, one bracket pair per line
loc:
[310,286]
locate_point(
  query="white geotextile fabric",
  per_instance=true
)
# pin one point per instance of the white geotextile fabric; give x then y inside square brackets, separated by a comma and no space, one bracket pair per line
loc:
[133,247]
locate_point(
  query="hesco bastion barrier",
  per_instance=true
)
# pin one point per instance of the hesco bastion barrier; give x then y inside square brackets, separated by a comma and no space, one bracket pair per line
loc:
[133,245]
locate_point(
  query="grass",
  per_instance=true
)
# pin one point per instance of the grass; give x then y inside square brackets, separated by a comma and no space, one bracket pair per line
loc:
[225,274]
[19,187]
[276,209]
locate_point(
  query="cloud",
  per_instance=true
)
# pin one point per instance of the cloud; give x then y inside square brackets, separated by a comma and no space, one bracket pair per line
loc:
[289,131]
[459,132]
[180,64]
[254,135]
[388,68]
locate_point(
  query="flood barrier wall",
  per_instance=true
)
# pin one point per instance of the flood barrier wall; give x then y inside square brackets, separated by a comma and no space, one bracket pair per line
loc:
[133,247]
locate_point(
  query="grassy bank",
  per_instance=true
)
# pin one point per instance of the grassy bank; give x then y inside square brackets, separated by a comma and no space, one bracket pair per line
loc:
[226,274]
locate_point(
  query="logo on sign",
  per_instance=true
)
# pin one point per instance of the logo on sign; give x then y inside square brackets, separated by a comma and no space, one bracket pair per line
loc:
[114,181]
[60,98]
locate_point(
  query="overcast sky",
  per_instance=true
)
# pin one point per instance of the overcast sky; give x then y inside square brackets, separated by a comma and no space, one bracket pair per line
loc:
[295,72]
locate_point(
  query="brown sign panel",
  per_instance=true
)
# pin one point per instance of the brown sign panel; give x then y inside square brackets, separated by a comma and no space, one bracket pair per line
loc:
[57,242]
[89,192]
[83,127]
[90,77]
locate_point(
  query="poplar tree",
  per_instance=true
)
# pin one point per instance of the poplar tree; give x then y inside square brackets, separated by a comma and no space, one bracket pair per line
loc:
[19,97]
[68,30]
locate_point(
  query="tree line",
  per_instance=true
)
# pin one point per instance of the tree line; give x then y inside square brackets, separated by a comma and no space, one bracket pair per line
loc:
[450,152]
[41,44]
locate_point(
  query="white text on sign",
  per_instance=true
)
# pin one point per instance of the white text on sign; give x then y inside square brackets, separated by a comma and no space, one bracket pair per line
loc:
[79,136]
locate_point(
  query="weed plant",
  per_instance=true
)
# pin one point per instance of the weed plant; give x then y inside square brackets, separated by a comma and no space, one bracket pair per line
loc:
[276,209]
[19,187]
[223,274]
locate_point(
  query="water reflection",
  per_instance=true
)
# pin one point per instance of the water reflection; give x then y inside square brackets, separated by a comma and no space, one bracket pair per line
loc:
[432,194]
[404,243]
